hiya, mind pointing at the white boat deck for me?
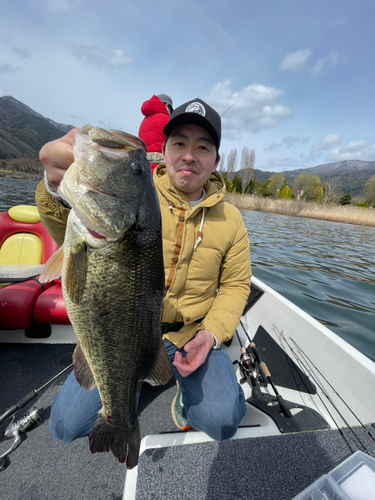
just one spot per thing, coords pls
(260, 462)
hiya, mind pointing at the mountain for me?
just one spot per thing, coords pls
(23, 132)
(353, 174)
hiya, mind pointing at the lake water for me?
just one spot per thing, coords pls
(325, 268)
(16, 192)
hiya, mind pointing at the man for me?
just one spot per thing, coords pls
(207, 278)
(156, 113)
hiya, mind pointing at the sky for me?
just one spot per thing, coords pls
(293, 79)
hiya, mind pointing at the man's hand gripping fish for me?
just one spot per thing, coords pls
(113, 281)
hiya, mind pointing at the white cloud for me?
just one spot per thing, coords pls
(326, 143)
(295, 60)
(253, 107)
(7, 68)
(331, 59)
(103, 58)
(288, 142)
(354, 150)
(281, 164)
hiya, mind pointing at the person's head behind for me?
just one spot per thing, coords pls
(167, 101)
(191, 147)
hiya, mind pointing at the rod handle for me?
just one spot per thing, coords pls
(21, 403)
(264, 369)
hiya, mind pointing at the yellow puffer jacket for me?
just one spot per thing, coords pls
(53, 214)
(205, 278)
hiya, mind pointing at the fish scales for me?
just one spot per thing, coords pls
(113, 281)
(119, 300)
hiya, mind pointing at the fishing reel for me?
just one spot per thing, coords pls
(15, 428)
(247, 366)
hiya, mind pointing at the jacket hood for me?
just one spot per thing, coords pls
(214, 185)
(153, 105)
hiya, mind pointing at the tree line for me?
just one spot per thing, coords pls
(305, 187)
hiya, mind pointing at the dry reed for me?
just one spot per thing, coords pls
(348, 214)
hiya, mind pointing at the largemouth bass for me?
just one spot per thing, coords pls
(112, 278)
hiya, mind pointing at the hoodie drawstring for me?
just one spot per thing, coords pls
(200, 233)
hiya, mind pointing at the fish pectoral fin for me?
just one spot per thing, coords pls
(75, 276)
(53, 266)
(162, 371)
(82, 370)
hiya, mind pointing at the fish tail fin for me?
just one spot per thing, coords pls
(123, 444)
(162, 371)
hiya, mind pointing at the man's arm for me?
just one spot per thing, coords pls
(234, 288)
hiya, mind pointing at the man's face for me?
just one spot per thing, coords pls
(190, 158)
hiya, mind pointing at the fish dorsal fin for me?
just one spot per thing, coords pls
(162, 371)
(75, 270)
(53, 266)
(82, 370)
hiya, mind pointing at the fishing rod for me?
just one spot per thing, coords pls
(228, 108)
(26, 399)
(310, 375)
(252, 350)
(333, 389)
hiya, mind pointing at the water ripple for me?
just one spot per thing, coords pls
(325, 268)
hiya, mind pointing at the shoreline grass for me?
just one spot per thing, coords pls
(347, 214)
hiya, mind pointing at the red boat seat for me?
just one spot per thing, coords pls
(49, 307)
(25, 220)
(16, 304)
(23, 240)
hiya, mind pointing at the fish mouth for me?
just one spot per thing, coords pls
(87, 224)
(95, 234)
(85, 218)
(85, 187)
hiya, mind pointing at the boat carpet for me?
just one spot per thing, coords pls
(272, 468)
(266, 468)
(43, 469)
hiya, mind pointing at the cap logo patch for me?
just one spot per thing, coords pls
(196, 107)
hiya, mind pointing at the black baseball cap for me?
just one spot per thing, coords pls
(198, 113)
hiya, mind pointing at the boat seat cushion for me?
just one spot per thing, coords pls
(16, 304)
(21, 248)
(24, 213)
(49, 307)
(10, 227)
